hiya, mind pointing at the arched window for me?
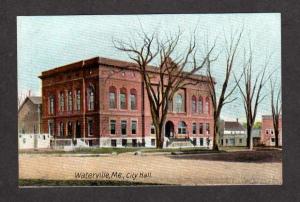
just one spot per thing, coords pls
(70, 101)
(112, 97)
(123, 98)
(91, 98)
(200, 105)
(61, 101)
(206, 111)
(51, 104)
(70, 128)
(179, 103)
(133, 100)
(194, 104)
(78, 100)
(181, 127)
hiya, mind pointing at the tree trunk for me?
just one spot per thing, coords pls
(276, 138)
(159, 137)
(215, 140)
(249, 137)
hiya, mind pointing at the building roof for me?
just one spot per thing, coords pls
(233, 126)
(269, 116)
(35, 99)
(106, 62)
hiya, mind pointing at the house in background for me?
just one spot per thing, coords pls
(267, 131)
(256, 136)
(30, 115)
(29, 125)
(232, 134)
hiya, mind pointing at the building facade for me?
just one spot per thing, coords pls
(232, 134)
(30, 115)
(104, 102)
(267, 131)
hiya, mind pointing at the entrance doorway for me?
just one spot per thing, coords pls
(78, 129)
(169, 129)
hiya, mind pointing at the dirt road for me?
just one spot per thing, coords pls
(196, 169)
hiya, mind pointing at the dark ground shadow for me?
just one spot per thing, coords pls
(238, 156)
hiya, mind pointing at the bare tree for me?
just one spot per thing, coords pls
(219, 101)
(170, 75)
(251, 91)
(276, 111)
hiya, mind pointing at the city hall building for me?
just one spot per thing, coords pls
(103, 102)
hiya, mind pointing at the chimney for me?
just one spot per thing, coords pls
(237, 120)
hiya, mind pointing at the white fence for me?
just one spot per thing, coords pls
(34, 141)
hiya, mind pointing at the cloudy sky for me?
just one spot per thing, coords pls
(45, 42)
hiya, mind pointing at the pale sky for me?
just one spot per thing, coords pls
(45, 42)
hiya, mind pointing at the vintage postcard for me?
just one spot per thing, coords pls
(131, 100)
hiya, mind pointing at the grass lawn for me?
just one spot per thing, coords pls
(41, 182)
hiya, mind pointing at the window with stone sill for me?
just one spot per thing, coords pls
(182, 127)
(194, 128)
(123, 99)
(194, 104)
(112, 97)
(133, 127)
(78, 100)
(133, 99)
(123, 127)
(179, 103)
(91, 98)
(113, 127)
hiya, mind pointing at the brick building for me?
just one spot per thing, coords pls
(103, 101)
(267, 131)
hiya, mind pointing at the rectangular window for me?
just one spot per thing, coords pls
(51, 128)
(152, 142)
(113, 143)
(201, 128)
(221, 141)
(194, 141)
(273, 139)
(112, 100)
(112, 127)
(122, 100)
(134, 144)
(194, 128)
(241, 140)
(207, 128)
(133, 127)
(123, 127)
(124, 142)
(201, 141)
(226, 140)
(152, 129)
(90, 127)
